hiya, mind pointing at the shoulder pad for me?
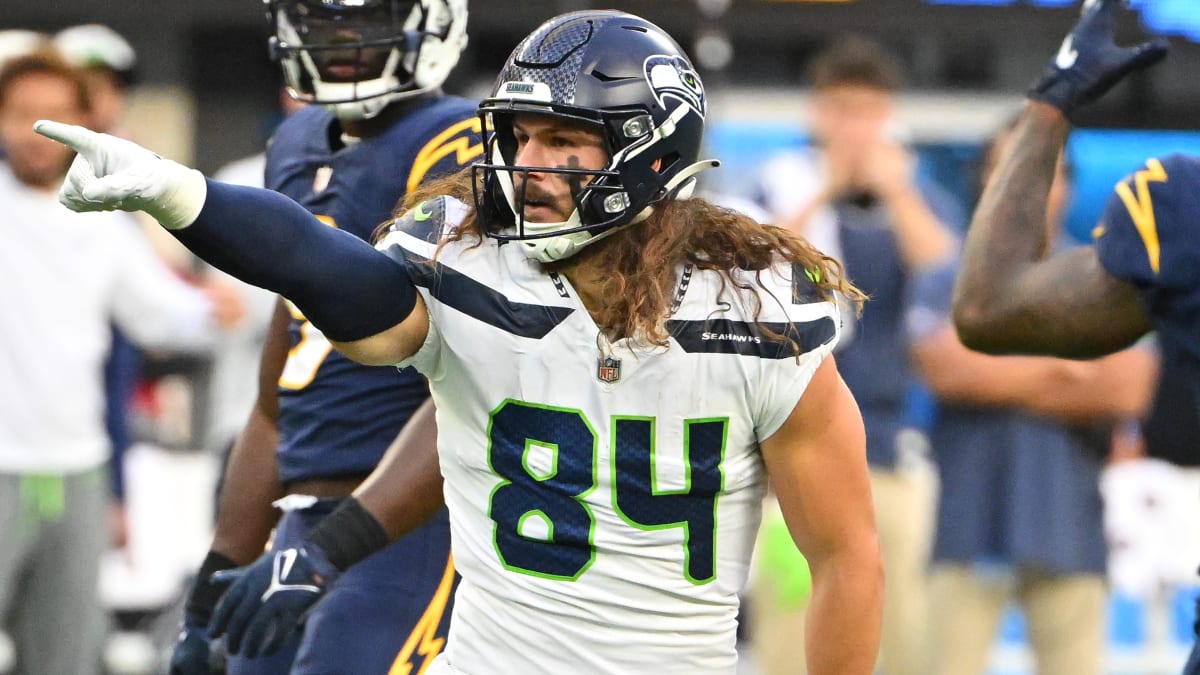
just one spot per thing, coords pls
(804, 285)
(431, 219)
(1148, 232)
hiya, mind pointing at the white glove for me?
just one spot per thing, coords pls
(111, 173)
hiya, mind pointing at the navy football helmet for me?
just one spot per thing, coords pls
(357, 56)
(629, 79)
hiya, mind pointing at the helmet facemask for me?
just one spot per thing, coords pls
(357, 56)
(598, 196)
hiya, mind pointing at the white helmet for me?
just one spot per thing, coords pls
(356, 56)
(16, 42)
(96, 46)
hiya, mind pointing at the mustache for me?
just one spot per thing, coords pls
(532, 193)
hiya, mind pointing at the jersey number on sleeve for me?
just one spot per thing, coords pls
(548, 458)
(306, 356)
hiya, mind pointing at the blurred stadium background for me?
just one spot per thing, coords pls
(206, 94)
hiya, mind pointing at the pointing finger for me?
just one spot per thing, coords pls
(80, 139)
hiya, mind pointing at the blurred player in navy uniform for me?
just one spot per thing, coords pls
(380, 124)
(1141, 275)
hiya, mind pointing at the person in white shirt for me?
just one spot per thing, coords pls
(67, 276)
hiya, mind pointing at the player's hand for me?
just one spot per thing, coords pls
(1089, 62)
(192, 654)
(111, 173)
(269, 598)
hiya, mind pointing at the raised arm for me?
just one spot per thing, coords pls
(1008, 298)
(818, 467)
(360, 298)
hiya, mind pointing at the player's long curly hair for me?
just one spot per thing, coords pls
(644, 259)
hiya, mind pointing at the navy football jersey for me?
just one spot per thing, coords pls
(1150, 236)
(337, 417)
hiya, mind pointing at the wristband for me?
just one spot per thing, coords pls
(349, 534)
(205, 594)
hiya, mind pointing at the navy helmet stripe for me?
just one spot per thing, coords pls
(456, 290)
(722, 336)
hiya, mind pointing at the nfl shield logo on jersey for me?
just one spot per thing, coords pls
(608, 369)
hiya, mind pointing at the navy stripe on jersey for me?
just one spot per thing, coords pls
(722, 336)
(456, 290)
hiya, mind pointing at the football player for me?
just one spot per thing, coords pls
(617, 370)
(378, 126)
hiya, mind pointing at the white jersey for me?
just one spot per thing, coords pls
(604, 499)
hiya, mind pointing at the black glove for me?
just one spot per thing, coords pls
(269, 598)
(1089, 62)
(192, 653)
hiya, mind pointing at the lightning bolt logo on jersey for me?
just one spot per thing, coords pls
(1150, 236)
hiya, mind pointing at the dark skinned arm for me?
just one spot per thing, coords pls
(1007, 298)
(245, 515)
(405, 490)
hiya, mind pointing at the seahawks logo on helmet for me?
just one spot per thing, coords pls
(673, 77)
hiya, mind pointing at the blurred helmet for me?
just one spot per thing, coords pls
(629, 79)
(17, 42)
(357, 56)
(96, 46)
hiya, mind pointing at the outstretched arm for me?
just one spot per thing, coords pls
(818, 468)
(360, 298)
